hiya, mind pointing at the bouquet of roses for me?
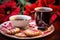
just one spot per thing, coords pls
(26, 7)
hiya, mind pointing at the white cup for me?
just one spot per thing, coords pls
(20, 20)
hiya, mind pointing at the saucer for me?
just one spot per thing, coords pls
(8, 25)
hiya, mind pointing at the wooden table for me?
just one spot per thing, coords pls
(54, 36)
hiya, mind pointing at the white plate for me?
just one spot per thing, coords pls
(40, 36)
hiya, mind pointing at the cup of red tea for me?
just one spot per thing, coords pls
(20, 20)
(43, 16)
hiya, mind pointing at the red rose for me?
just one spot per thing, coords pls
(2, 9)
(53, 18)
(33, 6)
(2, 6)
(14, 10)
(30, 8)
(40, 3)
(11, 4)
(47, 2)
(2, 16)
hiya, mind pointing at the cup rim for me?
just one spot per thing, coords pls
(37, 8)
(20, 16)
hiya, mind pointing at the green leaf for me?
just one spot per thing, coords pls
(22, 2)
(28, 3)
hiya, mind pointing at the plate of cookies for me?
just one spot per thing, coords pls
(30, 32)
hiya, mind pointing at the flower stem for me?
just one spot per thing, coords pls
(22, 6)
